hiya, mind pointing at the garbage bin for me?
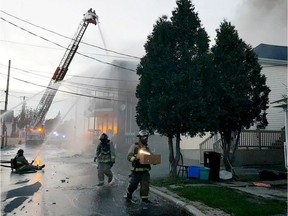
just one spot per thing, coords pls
(212, 160)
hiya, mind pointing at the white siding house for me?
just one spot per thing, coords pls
(273, 59)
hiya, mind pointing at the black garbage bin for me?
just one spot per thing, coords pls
(212, 161)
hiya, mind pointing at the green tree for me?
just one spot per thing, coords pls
(52, 124)
(171, 73)
(242, 92)
(25, 117)
(21, 118)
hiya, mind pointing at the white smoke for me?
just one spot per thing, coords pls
(262, 21)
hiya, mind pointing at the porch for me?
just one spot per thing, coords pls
(256, 147)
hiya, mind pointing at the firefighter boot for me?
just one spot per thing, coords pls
(146, 200)
(100, 184)
(110, 179)
(128, 196)
(41, 167)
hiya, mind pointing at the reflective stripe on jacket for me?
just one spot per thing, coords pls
(131, 156)
(21, 160)
(105, 152)
(140, 169)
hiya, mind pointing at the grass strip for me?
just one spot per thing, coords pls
(229, 200)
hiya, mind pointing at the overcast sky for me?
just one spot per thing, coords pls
(124, 27)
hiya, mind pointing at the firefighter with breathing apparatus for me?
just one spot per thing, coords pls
(139, 172)
(105, 156)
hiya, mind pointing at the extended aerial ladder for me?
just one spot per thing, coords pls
(36, 125)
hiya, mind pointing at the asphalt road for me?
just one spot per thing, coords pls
(67, 186)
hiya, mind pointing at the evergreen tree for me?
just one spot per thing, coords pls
(171, 91)
(242, 91)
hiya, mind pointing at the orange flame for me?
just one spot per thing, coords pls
(38, 162)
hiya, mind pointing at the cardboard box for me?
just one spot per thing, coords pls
(150, 159)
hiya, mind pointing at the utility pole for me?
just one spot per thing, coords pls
(4, 128)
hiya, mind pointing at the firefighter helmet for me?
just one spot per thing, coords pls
(103, 136)
(143, 133)
(143, 136)
(20, 152)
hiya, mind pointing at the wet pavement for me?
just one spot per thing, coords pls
(67, 186)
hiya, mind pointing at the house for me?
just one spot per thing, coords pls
(6, 122)
(117, 117)
(273, 60)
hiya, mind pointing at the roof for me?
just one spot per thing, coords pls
(268, 51)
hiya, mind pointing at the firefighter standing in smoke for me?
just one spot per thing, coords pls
(105, 156)
(140, 172)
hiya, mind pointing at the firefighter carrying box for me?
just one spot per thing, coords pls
(148, 158)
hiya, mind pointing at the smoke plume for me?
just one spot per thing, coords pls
(262, 21)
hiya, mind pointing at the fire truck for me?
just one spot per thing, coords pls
(35, 133)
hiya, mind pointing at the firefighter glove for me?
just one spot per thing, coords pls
(112, 163)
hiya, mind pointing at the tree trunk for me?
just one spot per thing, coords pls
(171, 154)
(235, 145)
(226, 143)
(230, 141)
(177, 156)
(175, 160)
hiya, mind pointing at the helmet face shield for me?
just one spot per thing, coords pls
(143, 136)
(144, 139)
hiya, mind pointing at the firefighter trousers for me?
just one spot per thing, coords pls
(142, 177)
(104, 169)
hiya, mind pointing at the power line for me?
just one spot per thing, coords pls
(119, 53)
(27, 72)
(102, 89)
(98, 88)
(75, 84)
(32, 45)
(73, 93)
(109, 79)
(57, 44)
(46, 47)
(80, 76)
(67, 92)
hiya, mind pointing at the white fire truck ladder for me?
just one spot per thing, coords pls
(54, 84)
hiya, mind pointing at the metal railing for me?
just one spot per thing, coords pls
(260, 139)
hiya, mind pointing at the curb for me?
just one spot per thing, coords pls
(189, 208)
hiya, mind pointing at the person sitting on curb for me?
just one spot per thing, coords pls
(21, 163)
